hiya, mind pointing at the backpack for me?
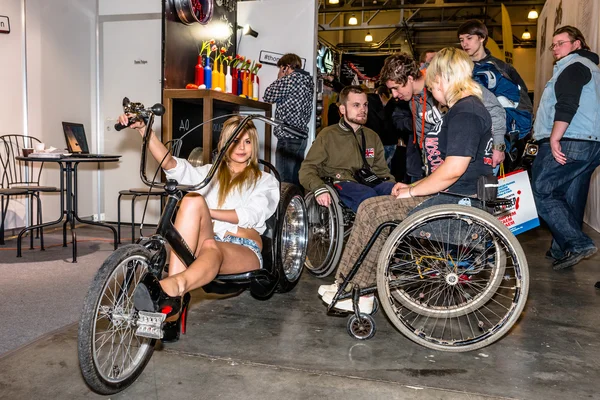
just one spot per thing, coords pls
(508, 94)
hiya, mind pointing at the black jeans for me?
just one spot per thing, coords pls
(288, 157)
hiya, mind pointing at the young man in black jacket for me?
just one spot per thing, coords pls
(473, 36)
(379, 119)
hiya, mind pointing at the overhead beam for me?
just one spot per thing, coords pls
(418, 25)
(331, 9)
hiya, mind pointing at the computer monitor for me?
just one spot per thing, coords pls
(75, 138)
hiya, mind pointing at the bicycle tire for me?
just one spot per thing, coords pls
(108, 304)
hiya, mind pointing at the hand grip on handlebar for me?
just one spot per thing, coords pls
(119, 126)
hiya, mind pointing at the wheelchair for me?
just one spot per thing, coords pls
(115, 341)
(450, 277)
(328, 227)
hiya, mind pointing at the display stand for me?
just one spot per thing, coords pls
(186, 108)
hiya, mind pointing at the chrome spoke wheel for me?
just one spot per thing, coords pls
(294, 238)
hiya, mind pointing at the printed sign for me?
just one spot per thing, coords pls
(4, 24)
(523, 216)
(271, 58)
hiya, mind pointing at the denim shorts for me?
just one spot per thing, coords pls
(251, 244)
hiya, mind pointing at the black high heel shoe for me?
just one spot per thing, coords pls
(172, 329)
(149, 296)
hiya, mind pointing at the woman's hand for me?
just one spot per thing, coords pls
(138, 125)
(397, 187)
(404, 193)
(157, 148)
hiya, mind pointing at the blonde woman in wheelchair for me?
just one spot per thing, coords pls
(456, 154)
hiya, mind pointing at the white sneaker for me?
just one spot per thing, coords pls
(328, 288)
(365, 303)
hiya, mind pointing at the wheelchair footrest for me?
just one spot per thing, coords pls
(149, 324)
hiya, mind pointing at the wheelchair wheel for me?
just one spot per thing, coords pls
(292, 237)
(111, 356)
(325, 235)
(452, 278)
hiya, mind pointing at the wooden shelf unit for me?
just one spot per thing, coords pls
(210, 102)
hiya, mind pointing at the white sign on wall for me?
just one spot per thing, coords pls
(4, 24)
(271, 58)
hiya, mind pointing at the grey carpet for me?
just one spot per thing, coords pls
(43, 291)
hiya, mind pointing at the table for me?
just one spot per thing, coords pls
(68, 199)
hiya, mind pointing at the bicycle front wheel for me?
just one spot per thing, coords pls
(111, 356)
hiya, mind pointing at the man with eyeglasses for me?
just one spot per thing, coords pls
(567, 128)
(292, 93)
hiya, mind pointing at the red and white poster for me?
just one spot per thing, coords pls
(523, 216)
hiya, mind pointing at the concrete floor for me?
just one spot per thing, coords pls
(287, 347)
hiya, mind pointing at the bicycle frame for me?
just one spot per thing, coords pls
(165, 230)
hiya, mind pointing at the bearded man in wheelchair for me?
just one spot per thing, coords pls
(455, 158)
(348, 154)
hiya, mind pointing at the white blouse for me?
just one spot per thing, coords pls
(253, 204)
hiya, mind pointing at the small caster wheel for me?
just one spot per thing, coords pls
(361, 329)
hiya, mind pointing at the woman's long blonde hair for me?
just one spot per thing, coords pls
(251, 174)
(455, 66)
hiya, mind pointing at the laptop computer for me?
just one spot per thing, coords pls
(77, 142)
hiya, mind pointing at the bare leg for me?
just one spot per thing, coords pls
(212, 257)
(193, 222)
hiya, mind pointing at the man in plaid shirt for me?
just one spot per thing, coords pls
(292, 92)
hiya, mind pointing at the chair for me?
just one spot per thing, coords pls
(6, 193)
(134, 193)
(23, 176)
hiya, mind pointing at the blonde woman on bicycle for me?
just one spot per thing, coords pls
(221, 224)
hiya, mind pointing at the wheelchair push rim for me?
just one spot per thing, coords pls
(457, 294)
(325, 235)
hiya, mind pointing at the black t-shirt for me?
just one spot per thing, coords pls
(466, 132)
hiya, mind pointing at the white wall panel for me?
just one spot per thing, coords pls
(61, 69)
(132, 72)
(58, 71)
(119, 7)
(12, 74)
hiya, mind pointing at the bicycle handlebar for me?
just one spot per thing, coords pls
(158, 109)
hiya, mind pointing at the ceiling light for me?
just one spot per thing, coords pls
(532, 14)
(526, 35)
(334, 1)
(368, 38)
(352, 20)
